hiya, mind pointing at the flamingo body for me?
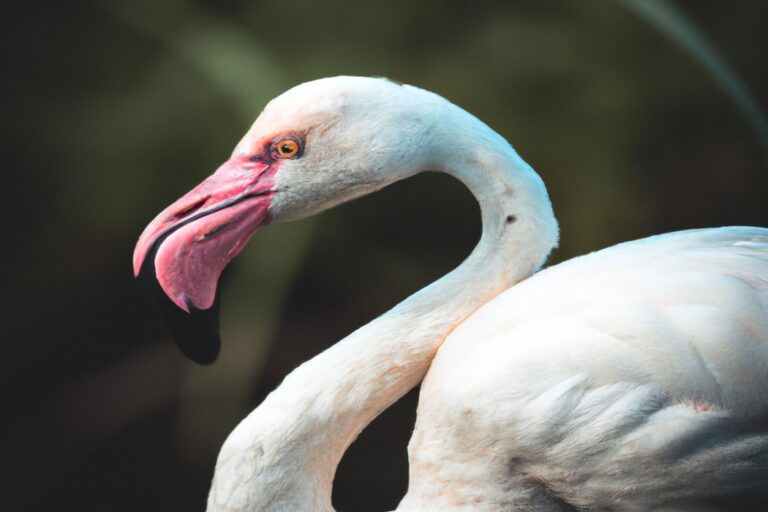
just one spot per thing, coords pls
(629, 379)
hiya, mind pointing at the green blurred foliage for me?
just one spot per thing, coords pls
(113, 109)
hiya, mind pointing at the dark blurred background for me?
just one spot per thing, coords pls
(113, 109)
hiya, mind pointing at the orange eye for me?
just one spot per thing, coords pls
(286, 148)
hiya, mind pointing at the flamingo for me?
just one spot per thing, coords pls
(634, 378)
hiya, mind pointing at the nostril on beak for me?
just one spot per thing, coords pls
(185, 211)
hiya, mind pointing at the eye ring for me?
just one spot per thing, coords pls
(287, 147)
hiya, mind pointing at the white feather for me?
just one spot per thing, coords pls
(623, 380)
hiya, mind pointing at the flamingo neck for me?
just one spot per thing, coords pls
(284, 455)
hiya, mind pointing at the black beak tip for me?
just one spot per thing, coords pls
(196, 333)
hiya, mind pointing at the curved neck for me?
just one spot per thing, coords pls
(284, 455)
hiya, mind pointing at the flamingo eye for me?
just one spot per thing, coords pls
(289, 147)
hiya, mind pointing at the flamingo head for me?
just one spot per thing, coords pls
(317, 145)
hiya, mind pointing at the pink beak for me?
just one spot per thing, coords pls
(194, 239)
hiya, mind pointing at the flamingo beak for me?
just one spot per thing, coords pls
(183, 251)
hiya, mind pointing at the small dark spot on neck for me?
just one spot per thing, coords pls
(511, 219)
